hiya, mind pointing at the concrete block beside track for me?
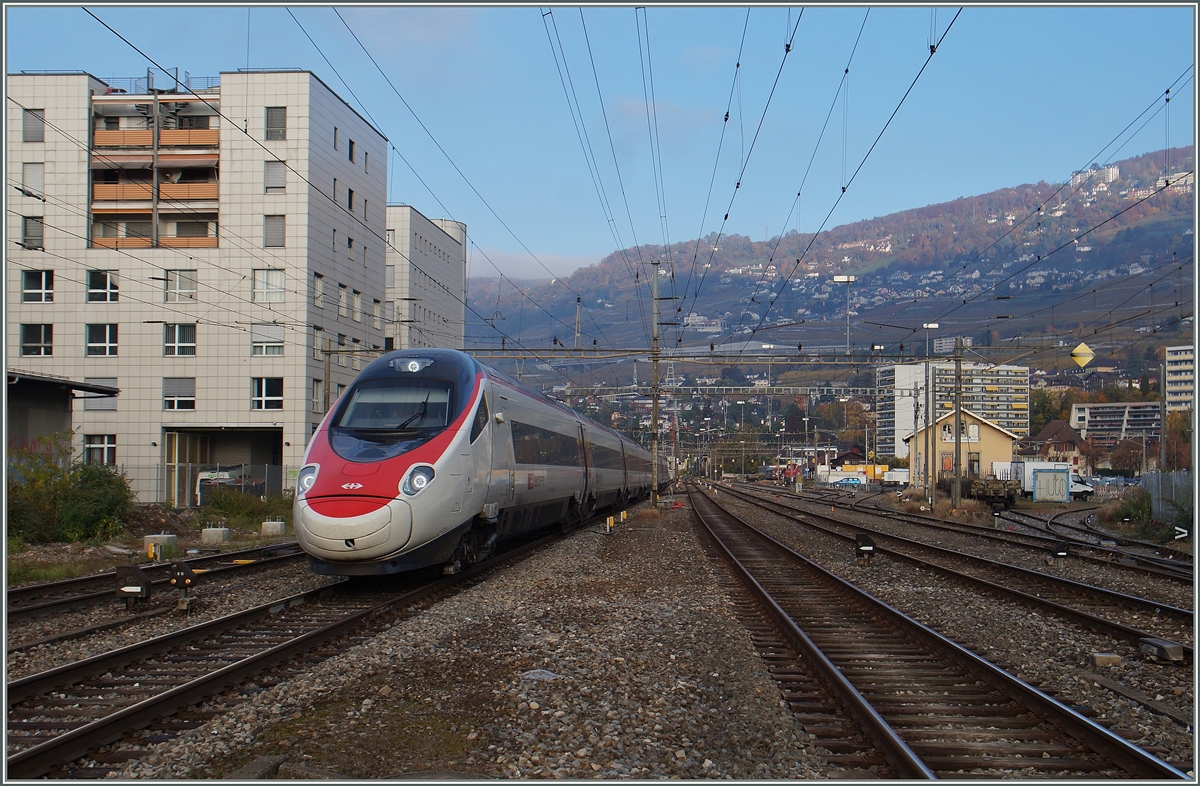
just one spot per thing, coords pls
(212, 535)
(273, 529)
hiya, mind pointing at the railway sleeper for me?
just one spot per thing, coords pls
(953, 764)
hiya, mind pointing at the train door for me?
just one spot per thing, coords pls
(503, 470)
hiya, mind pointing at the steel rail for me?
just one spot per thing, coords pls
(40, 759)
(1124, 754)
(16, 610)
(1088, 619)
(893, 748)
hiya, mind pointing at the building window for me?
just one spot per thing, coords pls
(277, 122)
(98, 402)
(102, 286)
(335, 137)
(390, 237)
(355, 346)
(33, 231)
(143, 229)
(365, 203)
(266, 393)
(350, 150)
(318, 342)
(33, 178)
(335, 189)
(275, 177)
(179, 340)
(101, 340)
(343, 300)
(376, 315)
(366, 156)
(179, 392)
(357, 305)
(274, 231)
(318, 395)
(350, 199)
(268, 286)
(100, 448)
(191, 229)
(339, 390)
(266, 339)
(180, 285)
(318, 290)
(37, 286)
(335, 240)
(341, 344)
(350, 248)
(37, 339)
(33, 125)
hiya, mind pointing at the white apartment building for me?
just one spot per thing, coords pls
(426, 279)
(999, 394)
(1181, 380)
(194, 250)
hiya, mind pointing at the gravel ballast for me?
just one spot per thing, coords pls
(604, 656)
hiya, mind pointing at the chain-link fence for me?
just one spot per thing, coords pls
(1167, 490)
(191, 485)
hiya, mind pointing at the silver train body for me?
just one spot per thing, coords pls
(430, 458)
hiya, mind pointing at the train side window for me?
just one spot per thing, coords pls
(481, 419)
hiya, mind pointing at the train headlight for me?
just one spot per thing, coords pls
(305, 480)
(417, 479)
(410, 365)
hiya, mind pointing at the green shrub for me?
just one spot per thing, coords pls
(244, 511)
(52, 498)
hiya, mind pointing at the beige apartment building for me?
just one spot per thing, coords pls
(1181, 378)
(198, 246)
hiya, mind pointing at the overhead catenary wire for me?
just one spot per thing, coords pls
(585, 141)
(932, 51)
(453, 164)
(242, 130)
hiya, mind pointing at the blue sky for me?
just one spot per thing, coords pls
(1013, 95)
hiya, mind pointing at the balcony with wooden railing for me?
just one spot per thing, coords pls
(201, 137)
(141, 137)
(188, 242)
(167, 137)
(142, 190)
(207, 190)
(112, 192)
(121, 242)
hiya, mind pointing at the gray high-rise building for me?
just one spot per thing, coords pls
(999, 394)
(198, 246)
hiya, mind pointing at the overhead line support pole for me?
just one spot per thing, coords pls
(654, 388)
(957, 421)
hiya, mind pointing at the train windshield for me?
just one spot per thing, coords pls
(384, 418)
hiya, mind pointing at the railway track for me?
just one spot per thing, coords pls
(37, 600)
(1152, 556)
(1041, 538)
(148, 692)
(931, 708)
(1105, 611)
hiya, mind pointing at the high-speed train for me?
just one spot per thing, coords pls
(430, 458)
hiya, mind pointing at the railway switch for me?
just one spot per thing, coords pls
(864, 547)
(183, 578)
(132, 584)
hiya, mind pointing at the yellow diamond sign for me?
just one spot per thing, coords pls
(1082, 354)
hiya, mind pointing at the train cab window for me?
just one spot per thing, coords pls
(481, 419)
(382, 419)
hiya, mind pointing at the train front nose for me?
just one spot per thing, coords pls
(346, 529)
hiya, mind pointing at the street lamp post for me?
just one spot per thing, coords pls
(847, 280)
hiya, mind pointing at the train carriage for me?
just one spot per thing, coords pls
(431, 458)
